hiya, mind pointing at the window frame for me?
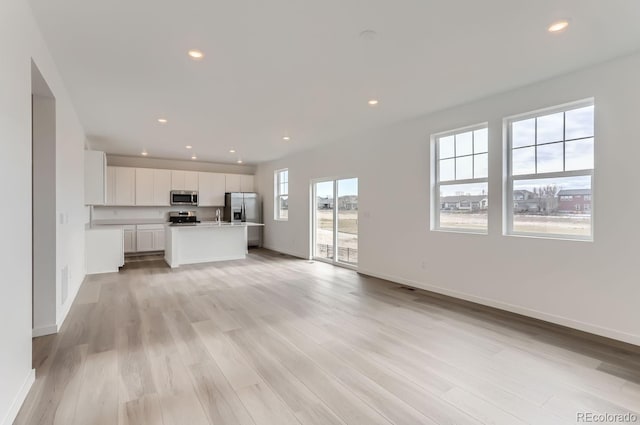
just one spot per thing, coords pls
(435, 177)
(278, 195)
(509, 178)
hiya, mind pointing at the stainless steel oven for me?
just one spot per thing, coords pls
(184, 197)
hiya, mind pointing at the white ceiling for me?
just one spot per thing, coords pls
(299, 67)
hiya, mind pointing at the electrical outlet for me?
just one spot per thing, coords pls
(424, 265)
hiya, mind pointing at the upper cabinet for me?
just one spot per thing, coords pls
(121, 186)
(239, 183)
(211, 188)
(246, 183)
(232, 183)
(95, 178)
(127, 186)
(144, 186)
(184, 180)
(152, 187)
(161, 187)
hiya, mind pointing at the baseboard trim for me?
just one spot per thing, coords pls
(279, 251)
(536, 314)
(19, 399)
(67, 306)
(44, 330)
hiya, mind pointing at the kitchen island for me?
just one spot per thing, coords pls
(205, 242)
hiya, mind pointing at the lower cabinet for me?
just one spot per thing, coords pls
(103, 250)
(129, 238)
(149, 237)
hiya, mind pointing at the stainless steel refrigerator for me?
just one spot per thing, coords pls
(245, 207)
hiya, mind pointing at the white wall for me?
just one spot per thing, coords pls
(20, 41)
(588, 286)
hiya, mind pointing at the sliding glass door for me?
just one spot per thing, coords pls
(335, 221)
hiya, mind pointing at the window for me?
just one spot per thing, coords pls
(550, 167)
(461, 172)
(281, 190)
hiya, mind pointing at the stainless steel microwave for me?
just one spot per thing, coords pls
(184, 197)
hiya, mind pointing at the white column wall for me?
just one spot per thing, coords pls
(20, 41)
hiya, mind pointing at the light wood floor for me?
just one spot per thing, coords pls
(275, 340)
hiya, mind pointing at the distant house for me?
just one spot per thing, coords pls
(348, 202)
(574, 201)
(522, 195)
(527, 201)
(464, 203)
(325, 203)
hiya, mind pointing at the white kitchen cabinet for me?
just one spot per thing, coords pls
(152, 187)
(161, 187)
(121, 186)
(158, 239)
(246, 183)
(211, 188)
(150, 237)
(103, 249)
(144, 240)
(144, 186)
(125, 186)
(111, 186)
(232, 183)
(239, 183)
(129, 238)
(190, 180)
(95, 178)
(184, 180)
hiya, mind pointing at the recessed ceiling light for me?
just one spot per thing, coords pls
(196, 54)
(162, 120)
(239, 161)
(194, 157)
(286, 138)
(368, 35)
(373, 102)
(558, 26)
(144, 153)
(232, 151)
(189, 147)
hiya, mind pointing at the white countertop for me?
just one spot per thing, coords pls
(208, 224)
(127, 221)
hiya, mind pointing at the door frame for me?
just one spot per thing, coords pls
(312, 224)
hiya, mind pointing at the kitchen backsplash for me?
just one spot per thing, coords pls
(137, 213)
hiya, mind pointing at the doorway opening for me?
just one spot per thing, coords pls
(44, 292)
(335, 221)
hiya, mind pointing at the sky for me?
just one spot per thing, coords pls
(345, 187)
(540, 141)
